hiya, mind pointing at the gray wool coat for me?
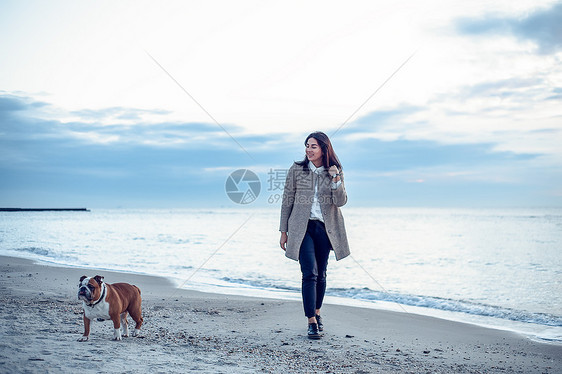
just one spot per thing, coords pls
(297, 203)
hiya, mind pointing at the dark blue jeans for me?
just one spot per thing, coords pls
(313, 258)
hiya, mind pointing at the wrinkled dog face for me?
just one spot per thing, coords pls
(90, 288)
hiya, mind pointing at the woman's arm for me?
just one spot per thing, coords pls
(339, 196)
(288, 200)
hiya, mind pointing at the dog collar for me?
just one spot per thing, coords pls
(100, 299)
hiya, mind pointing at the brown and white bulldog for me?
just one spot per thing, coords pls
(103, 301)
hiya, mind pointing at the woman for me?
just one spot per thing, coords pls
(311, 221)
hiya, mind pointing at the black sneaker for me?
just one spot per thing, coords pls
(319, 321)
(313, 332)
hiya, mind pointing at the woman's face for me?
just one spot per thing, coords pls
(314, 152)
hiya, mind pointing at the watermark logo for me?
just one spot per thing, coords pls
(242, 186)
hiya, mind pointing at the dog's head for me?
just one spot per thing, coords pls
(89, 289)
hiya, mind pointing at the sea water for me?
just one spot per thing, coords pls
(500, 268)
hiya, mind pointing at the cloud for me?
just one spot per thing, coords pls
(10, 104)
(22, 120)
(117, 113)
(403, 154)
(142, 164)
(543, 27)
(556, 94)
(186, 164)
(389, 124)
(380, 117)
(520, 88)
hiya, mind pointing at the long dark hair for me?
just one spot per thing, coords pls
(329, 157)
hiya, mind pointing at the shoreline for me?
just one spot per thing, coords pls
(188, 330)
(530, 330)
(17, 210)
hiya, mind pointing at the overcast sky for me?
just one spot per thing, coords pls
(154, 104)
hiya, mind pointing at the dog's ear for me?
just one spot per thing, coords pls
(81, 279)
(99, 279)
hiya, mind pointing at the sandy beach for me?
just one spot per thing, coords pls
(188, 331)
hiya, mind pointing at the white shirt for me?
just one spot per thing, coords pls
(315, 211)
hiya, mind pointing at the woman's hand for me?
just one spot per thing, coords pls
(283, 241)
(333, 171)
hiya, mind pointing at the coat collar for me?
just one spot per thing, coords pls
(314, 168)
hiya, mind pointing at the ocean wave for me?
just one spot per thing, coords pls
(451, 305)
(438, 303)
(34, 251)
(260, 284)
(46, 254)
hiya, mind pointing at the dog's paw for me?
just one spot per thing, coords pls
(136, 333)
(117, 334)
(84, 339)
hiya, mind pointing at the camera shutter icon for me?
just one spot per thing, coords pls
(243, 186)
